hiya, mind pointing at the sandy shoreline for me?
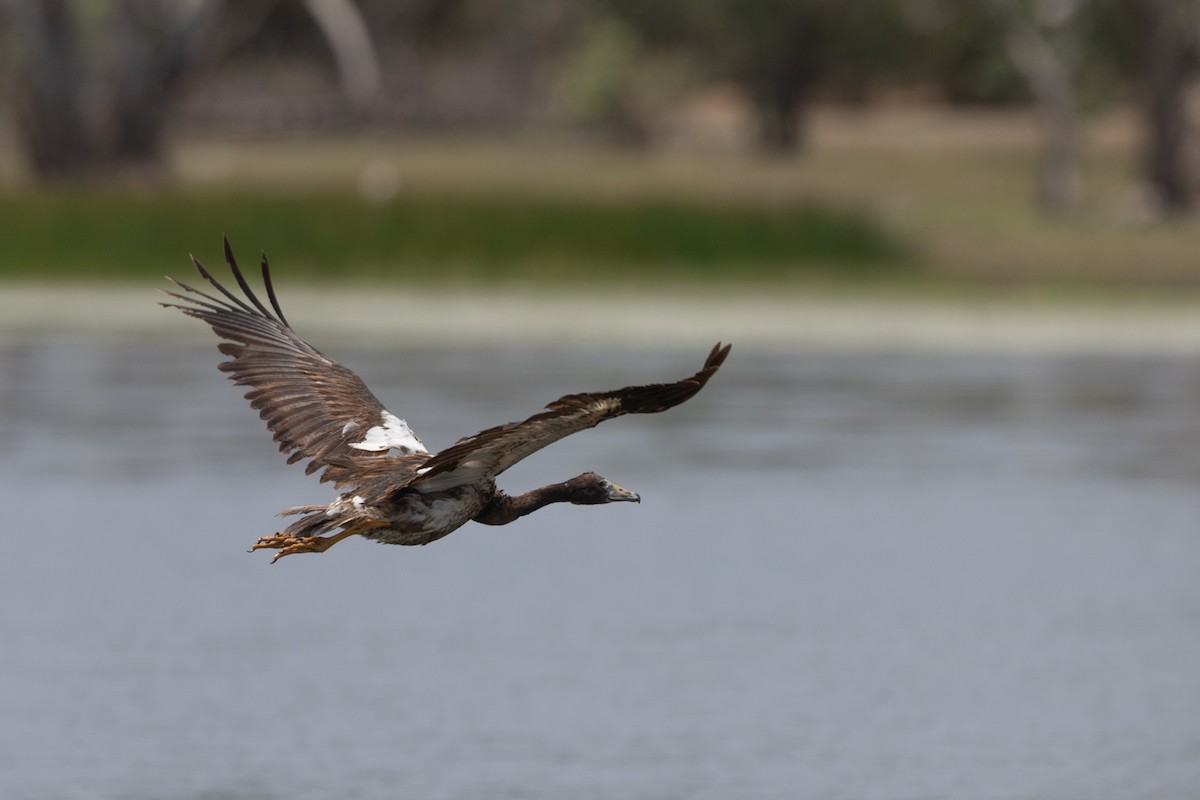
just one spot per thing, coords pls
(655, 315)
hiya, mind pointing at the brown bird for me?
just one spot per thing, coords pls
(393, 489)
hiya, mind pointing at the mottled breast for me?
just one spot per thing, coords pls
(422, 518)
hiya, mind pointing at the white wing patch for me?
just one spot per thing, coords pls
(393, 433)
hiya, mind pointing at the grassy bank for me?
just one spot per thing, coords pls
(920, 200)
(91, 233)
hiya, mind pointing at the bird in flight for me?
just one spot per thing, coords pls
(392, 489)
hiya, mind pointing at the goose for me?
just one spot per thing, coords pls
(392, 489)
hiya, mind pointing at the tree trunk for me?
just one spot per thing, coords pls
(1058, 172)
(1171, 67)
(785, 51)
(148, 58)
(50, 89)
(1047, 71)
(781, 88)
(778, 126)
(350, 40)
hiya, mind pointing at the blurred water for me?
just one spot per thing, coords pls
(853, 575)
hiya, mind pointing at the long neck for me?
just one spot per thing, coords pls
(504, 508)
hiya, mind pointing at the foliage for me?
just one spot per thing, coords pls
(851, 50)
(92, 233)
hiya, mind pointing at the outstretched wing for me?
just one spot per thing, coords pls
(490, 452)
(316, 408)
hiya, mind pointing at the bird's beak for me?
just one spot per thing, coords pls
(617, 495)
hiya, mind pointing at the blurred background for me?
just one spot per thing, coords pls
(985, 142)
(932, 531)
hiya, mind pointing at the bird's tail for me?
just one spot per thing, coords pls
(294, 510)
(316, 521)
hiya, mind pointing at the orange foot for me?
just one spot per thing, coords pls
(289, 545)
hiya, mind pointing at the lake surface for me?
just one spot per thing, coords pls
(854, 574)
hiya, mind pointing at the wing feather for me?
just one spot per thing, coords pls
(490, 452)
(316, 408)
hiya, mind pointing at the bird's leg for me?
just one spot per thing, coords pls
(289, 545)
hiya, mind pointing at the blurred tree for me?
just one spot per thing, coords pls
(779, 51)
(95, 81)
(604, 79)
(959, 55)
(1172, 47)
(350, 40)
(153, 45)
(1042, 38)
(615, 85)
(49, 93)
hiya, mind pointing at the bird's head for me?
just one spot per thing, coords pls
(589, 489)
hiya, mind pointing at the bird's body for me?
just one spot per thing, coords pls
(405, 517)
(393, 489)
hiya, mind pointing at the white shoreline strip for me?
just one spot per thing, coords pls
(639, 316)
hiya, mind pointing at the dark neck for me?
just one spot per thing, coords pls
(503, 508)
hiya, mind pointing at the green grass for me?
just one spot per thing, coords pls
(94, 233)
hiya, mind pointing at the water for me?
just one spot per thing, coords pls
(853, 575)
